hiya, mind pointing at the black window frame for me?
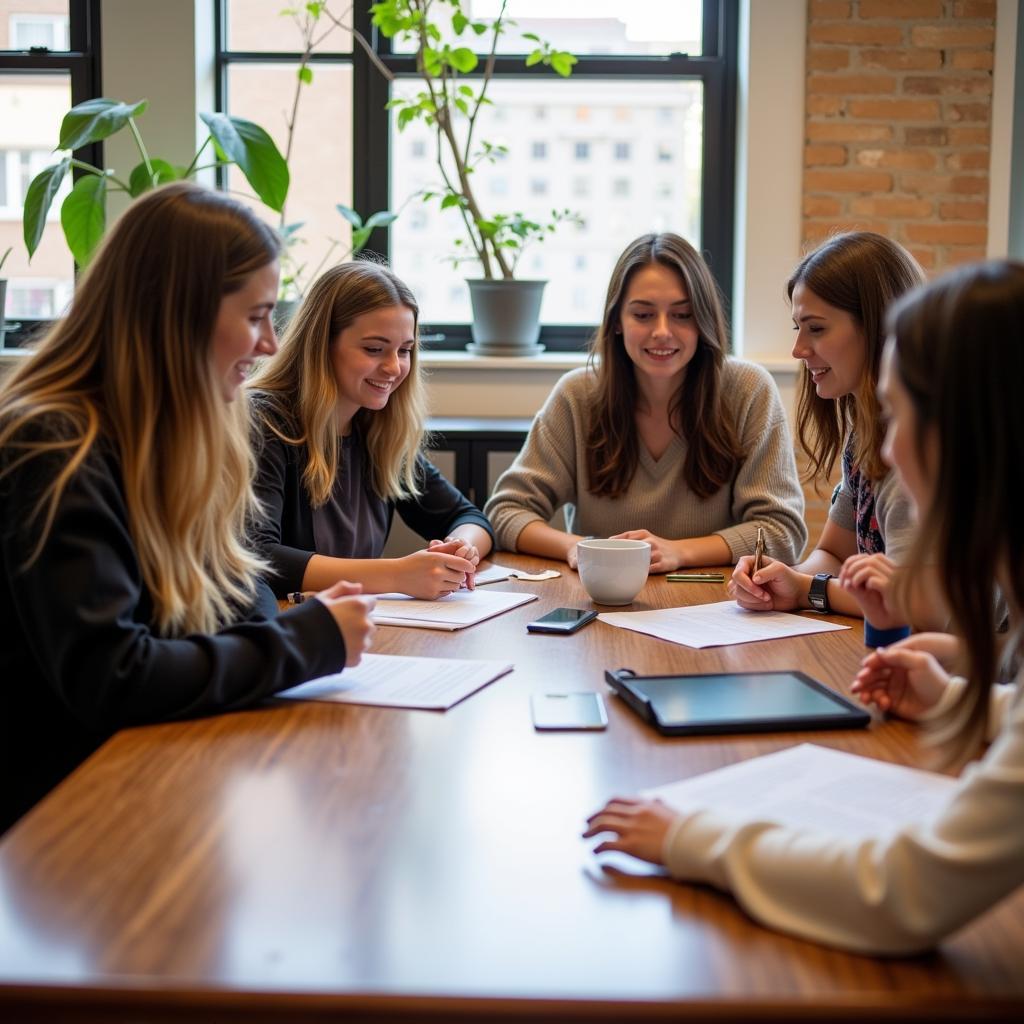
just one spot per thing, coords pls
(716, 68)
(81, 62)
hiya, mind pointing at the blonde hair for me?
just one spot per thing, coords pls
(299, 395)
(129, 365)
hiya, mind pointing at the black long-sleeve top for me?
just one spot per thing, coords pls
(355, 522)
(79, 657)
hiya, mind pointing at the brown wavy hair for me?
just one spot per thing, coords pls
(298, 395)
(861, 273)
(713, 451)
(129, 364)
(958, 350)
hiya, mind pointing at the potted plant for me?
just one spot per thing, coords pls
(3, 297)
(506, 311)
(83, 214)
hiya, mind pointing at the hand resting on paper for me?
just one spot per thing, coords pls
(906, 679)
(639, 828)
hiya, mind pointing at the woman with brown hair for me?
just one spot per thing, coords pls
(130, 592)
(839, 295)
(949, 383)
(663, 438)
(341, 412)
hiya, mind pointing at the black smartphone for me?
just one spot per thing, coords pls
(562, 620)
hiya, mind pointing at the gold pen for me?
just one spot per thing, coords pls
(758, 551)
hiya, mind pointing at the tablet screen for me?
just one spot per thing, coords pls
(742, 698)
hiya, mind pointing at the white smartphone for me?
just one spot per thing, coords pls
(568, 711)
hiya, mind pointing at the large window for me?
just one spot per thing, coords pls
(48, 52)
(639, 138)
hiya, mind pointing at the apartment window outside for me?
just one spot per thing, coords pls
(654, 72)
(48, 63)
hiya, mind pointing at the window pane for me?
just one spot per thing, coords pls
(28, 23)
(321, 158)
(610, 27)
(624, 155)
(31, 110)
(259, 26)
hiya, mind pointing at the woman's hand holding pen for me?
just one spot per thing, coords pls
(432, 573)
(905, 679)
(868, 579)
(774, 587)
(461, 549)
(351, 613)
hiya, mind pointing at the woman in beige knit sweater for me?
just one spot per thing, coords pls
(662, 437)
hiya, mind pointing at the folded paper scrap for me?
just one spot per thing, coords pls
(497, 573)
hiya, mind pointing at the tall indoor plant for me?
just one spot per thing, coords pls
(505, 311)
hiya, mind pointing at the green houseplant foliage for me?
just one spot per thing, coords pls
(83, 214)
(452, 97)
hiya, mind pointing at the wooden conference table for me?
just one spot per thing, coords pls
(314, 861)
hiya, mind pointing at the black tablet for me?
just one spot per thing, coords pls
(735, 702)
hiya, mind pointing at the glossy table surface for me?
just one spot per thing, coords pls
(322, 861)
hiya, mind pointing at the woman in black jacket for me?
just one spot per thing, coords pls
(129, 591)
(340, 448)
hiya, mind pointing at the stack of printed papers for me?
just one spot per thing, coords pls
(458, 610)
(403, 682)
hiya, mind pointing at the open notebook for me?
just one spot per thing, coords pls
(458, 610)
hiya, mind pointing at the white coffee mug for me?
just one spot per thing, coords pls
(613, 571)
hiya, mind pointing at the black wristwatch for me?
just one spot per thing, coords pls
(817, 596)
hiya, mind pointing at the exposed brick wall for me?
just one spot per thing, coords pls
(899, 102)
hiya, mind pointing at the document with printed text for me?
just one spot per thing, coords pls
(458, 610)
(398, 681)
(814, 787)
(717, 624)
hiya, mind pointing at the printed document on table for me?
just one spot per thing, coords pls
(458, 610)
(818, 788)
(716, 624)
(399, 681)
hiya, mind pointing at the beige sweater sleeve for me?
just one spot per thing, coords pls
(543, 477)
(897, 896)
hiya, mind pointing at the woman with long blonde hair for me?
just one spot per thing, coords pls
(342, 416)
(130, 592)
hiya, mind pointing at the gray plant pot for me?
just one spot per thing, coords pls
(506, 317)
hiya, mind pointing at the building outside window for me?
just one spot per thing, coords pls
(36, 90)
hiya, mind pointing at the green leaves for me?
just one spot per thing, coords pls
(37, 202)
(249, 146)
(84, 216)
(305, 74)
(94, 120)
(140, 180)
(361, 231)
